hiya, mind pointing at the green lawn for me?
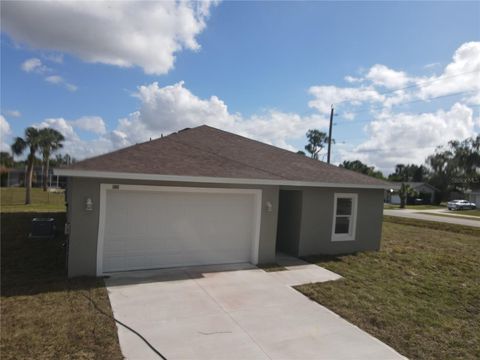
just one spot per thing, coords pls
(413, 207)
(13, 200)
(475, 212)
(43, 314)
(420, 294)
(472, 215)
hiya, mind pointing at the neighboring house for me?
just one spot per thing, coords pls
(423, 191)
(206, 196)
(473, 196)
(16, 177)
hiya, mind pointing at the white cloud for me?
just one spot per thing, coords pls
(395, 138)
(34, 65)
(5, 132)
(60, 124)
(391, 137)
(381, 75)
(325, 96)
(94, 124)
(123, 33)
(431, 65)
(74, 145)
(4, 126)
(352, 79)
(58, 80)
(167, 109)
(13, 113)
(461, 75)
(54, 79)
(170, 108)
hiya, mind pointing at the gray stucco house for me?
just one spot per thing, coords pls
(206, 196)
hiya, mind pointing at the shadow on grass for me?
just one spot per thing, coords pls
(35, 266)
(319, 259)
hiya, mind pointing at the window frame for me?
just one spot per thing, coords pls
(350, 236)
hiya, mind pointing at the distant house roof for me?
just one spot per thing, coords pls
(207, 154)
(416, 185)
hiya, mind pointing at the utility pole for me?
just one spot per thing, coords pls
(330, 135)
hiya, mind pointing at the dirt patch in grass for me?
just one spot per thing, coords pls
(272, 267)
(44, 315)
(420, 294)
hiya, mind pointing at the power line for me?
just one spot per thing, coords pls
(401, 104)
(419, 85)
(398, 148)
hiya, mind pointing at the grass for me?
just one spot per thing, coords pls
(413, 207)
(434, 225)
(272, 267)
(13, 199)
(455, 216)
(44, 315)
(475, 212)
(420, 294)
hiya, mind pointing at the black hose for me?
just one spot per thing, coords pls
(127, 327)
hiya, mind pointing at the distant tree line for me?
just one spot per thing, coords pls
(451, 168)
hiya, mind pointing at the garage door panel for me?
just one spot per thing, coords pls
(150, 229)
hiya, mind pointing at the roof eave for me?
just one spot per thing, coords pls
(207, 179)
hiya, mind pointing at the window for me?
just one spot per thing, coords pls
(344, 217)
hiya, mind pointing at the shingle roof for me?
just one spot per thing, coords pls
(205, 151)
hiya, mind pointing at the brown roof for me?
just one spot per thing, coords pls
(209, 152)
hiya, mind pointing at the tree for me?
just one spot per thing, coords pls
(410, 172)
(50, 141)
(316, 142)
(6, 159)
(362, 168)
(466, 161)
(300, 152)
(60, 160)
(31, 141)
(404, 192)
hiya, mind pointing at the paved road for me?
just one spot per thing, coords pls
(424, 215)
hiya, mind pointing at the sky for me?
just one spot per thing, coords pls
(403, 77)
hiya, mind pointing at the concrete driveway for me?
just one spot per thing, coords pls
(232, 312)
(429, 215)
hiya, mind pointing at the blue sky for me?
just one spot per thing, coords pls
(267, 70)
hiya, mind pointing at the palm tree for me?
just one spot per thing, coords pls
(32, 142)
(405, 191)
(50, 141)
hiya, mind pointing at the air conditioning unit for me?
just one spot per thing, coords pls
(43, 228)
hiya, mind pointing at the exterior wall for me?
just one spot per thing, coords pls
(474, 197)
(84, 224)
(427, 190)
(289, 221)
(317, 221)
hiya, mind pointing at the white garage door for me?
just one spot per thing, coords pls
(156, 227)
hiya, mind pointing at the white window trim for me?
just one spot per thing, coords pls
(353, 223)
